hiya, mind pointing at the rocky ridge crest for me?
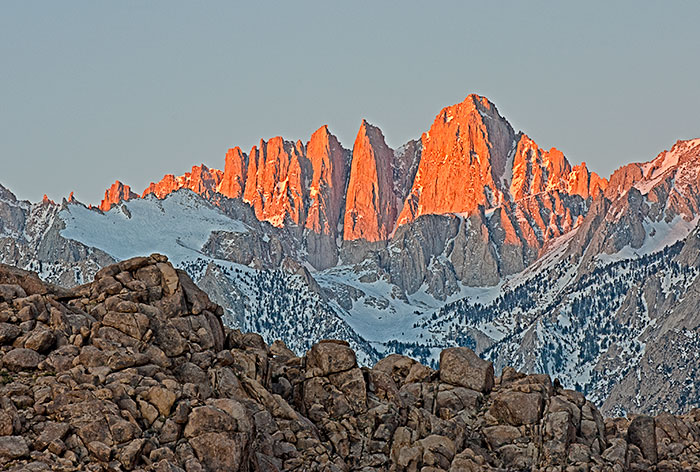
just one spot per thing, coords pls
(469, 159)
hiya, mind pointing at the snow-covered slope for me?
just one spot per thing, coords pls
(179, 225)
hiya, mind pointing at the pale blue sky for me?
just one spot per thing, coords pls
(131, 90)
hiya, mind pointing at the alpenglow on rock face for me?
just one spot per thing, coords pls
(471, 157)
(370, 210)
(115, 194)
(201, 180)
(135, 371)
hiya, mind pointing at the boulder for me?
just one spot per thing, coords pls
(642, 433)
(460, 366)
(331, 357)
(40, 340)
(12, 447)
(132, 324)
(162, 399)
(8, 333)
(52, 431)
(21, 359)
(217, 451)
(517, 408)
(500, 435)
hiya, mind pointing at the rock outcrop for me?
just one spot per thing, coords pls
(135, 371)
(233, 180)
(465, 153)
(115, 194)
(277, 181)
(330, 167)
(201, 180)
(370, 211)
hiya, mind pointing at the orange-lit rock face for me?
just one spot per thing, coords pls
(277, 176)
(166, 185)
(370, 210)
(536, 170)
(623, 179)
(596, 184)
(116, 193)
(201, 180)
(327, 191)
(469, 159)
(579, 180)
(464, 154)
(585, 183)
(233, 181)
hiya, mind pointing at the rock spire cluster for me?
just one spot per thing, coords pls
(469, 159)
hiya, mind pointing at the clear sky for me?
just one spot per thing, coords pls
(132, 90)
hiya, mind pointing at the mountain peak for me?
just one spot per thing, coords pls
(116, 193)
(465, 154)
(330, 168)
(276, 174)
(477, 100)
(370, 203)
(235, 168)
(368, 128)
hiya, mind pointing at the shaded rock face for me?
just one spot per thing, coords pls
(414, 249)
(370, 211)
(115, 194)
(12, 214)
(329, 163)
(30, 237)
(140, 374)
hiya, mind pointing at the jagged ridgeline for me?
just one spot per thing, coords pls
(136, 371)
(471, 235)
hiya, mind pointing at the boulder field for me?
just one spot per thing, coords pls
(136, 372)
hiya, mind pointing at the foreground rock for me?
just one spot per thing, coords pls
(135, 371)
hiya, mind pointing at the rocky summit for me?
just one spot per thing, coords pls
(136, 371)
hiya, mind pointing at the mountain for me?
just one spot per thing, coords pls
(370, 208)
(115, 194)
(136, 371)
(472, 235)
(330, 164)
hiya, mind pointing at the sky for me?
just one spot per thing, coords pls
(131, 90)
